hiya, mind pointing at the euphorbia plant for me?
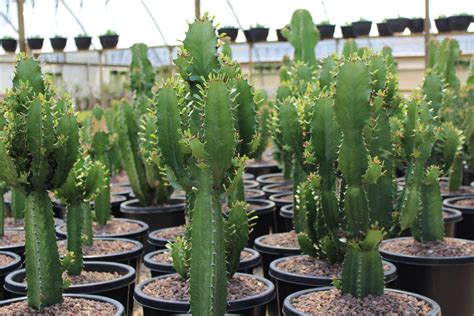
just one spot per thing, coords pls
(38, 149)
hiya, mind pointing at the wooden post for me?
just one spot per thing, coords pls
(197, 9)
(21, 26)
(426, 28)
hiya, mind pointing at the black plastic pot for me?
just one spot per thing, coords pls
(448, 280)
(35, 43)
(286, 216)
(451, 221)
(326, 31)
(251, 184)
(361, 28)
(258, 34)
(231, 32)
(120, 289)
(276, 188)
(347, 31)
(252, 306)
(248, 176)
(58, 43)
(120, 189)
(289, 310)
(83, 42)
(158, 243)
(263, 167)
(467, 176)
(254, 194)
(6, 269)
(280, 36)
(118, 307)
(383, 29)
(460, 22)
(397, 25)
(109, 41)
(157, 269)
(280, 200)
(465, 228)
(416, 25)
(115, 202)
(138, 235)
(9, 45)
(442, 25)
(265, 212)
(287, 283)
(271, 178)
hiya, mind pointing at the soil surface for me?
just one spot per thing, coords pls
(114, 190)
(332, 302)
(170, 233)
(175, 288)
(5, 260)
(89, 277)
(101, 247)
(251, 194)
(10, 222)
(283, 188)
(121, 178)
(285, 198)
(449, 247)
(275, 179)
(165, 258)
(465, 202)
(12, 238)
(113, 227)
(282, 240)
(462, 190)
(70, 306)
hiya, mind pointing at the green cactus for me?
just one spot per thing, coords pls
(142, 77)
(303, 36)
(38, 148)
(349, 48)
(17, 205)
(3, 189)
(85, 180)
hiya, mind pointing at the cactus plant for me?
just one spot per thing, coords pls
(38, 148)
(85, 180)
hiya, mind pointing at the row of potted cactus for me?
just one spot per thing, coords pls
(108, 40)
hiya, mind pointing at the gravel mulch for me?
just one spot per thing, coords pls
(5, 260)
(282, 240)
(101, 247)
(88, 277)
(113, 227)
(465, 202)
(449, 247)
(165, 257)
(462, 190)
(175, 288)
(170, 233)
(70, 306)
(12, 238)
(333, 302)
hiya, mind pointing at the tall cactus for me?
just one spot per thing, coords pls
(84, 181)
(38, 148)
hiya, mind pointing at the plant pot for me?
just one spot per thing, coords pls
(115, 202)
(447, 280)
(251, 184)
(280, 200)
(120, 189)
(465, 228)
(326, 30)
(467, 176)
(231, 32)
(287, 283)
(276, 188)
(262, 167)
(258, 34)
(251, 306)
(119, 307)
(158, 269)
(120, 289)
(109, 41)
(347, 31)
(272, 178)
(58, 43)
(286, 216)
(442, 25)
(248, 176)
(416, 25)
(35, 43)
(156, 242)
(155, 216)
(138, 235)
(451, 220)
(265, 212)
(383, 29)
(460, 22)
(397, 25)
(6, 269)
(254, 194)
(83, 42)
(361, 28)
(9, 45)
(280, 36)
(289, 310)
(17, 249)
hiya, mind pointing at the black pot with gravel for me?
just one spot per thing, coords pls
(464, 204)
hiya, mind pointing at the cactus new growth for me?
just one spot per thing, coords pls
(38, 149)
(201, 136)
(85, 180)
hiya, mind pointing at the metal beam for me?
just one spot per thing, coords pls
(197, 9)
(21, 26)
(427, 30)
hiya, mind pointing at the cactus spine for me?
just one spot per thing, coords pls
(38, 148)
